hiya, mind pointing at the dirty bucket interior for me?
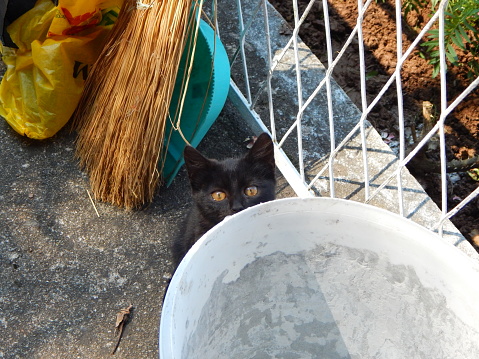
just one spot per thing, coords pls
(321, 278)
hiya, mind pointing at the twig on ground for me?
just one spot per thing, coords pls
(121, 319)
(93, 203)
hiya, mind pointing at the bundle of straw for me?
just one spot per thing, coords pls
(122, 114)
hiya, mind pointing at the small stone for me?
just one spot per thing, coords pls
(475, 237)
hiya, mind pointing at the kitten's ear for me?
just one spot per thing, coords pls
(262, 150)
(194, 160)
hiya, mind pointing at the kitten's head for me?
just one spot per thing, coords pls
(222, 188)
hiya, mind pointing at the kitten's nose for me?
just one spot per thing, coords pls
(237, 207)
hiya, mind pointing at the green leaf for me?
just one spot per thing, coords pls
(434, 60)
(421, 55)
(451, 54)
(457, 39)
(429, 46)
(371, 74)
(470, 12)
(461, 31)
(432, 42)
(448, 14)
(470, 27)
(464, 34)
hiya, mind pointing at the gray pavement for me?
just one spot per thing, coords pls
(65, 271)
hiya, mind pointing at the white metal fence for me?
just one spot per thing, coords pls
(297, 101)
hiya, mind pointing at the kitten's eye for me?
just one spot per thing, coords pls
(251, 191)
(218, 196)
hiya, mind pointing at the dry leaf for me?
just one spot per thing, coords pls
(121, 319)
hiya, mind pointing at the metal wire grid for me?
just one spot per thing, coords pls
(295, 175)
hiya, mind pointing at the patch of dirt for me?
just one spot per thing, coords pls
(418, 85)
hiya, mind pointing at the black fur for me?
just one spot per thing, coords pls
(231, 176)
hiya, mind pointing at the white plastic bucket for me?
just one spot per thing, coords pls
(321, 278)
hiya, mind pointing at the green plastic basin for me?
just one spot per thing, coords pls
(205, 97)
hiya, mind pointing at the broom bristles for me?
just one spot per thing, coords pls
(122, 114)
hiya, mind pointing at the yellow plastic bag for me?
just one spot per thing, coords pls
(45, 76)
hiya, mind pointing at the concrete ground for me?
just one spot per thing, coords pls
(66, 271)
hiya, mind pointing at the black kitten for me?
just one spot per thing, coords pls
(222, 188)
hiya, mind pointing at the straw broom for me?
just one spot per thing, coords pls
(121, 116)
